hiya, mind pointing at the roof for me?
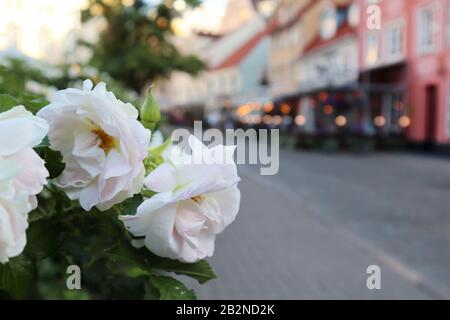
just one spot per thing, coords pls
(344, 29)
(302, 11)
(237, 56)
(317, 42)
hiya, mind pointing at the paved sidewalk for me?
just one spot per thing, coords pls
(280, 247)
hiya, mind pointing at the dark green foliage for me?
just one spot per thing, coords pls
(136, 46)
(16, 277)
(61, 234)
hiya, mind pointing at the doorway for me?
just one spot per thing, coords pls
(431, 115)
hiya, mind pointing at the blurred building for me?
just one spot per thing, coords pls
(375, 68)
(285, 46)
(236, 66)
(239, 77)
(405, 65)
(328, 68)
(313, 53)
(44, 30)
(330, 60)
(238, 13)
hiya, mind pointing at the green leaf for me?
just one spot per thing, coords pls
(171, 289)
(126, 253)
(17, 277)
(44, 144)
(200, 271)
(7, 102)
(137, 272)
(41, 239)
(156, 286)
(53, 159)
(151, 293)
(130, 205)
(124, 289)
(157, 151)
(36, 104)
(4, 295)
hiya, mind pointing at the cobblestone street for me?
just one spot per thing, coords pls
(312, 230)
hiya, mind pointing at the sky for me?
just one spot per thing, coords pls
(216, 4)
(206, 18)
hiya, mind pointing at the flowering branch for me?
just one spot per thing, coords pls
(80, 184)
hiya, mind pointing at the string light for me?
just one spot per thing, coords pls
(286, 109)
(323, 96)
(267, 119)
(379, 121)
(328, 109)
(300, 120)
(404, 121)
(268, 107)
(277, 120)
(341, 121)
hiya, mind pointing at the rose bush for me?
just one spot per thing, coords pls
(129, 209)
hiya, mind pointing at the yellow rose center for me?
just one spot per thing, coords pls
(198, 199)
(106, 141)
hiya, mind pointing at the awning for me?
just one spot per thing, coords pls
(383, 87)
(289, 96)
(349, 87)
(399, 64)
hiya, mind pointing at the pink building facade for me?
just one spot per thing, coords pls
(404, 58)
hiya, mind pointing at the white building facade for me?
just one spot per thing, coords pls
(43, 30)
(335, 65)
(236, 63)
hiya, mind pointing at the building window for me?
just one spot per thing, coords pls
(426, 31)
(372, 48)
(395, 41)
(233, 84)
(222, 83)
(328, 22)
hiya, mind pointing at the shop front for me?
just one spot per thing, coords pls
(331, 118)
(331, 112)
(386, 100)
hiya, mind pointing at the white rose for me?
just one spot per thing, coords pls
(196, 201)
(102, 143)
(22, 176)
(14, 208)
